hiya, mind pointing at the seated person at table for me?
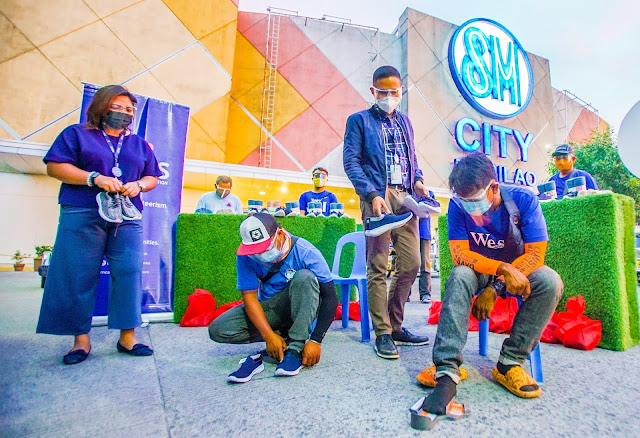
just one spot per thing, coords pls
(564, 160)
(498, 239)
(221, 200)
(285, 284)
(319, 194)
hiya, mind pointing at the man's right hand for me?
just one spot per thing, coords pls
(379, 206)
(276, 346)
(517, 283)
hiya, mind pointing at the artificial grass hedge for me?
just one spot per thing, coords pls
(592, 247)
(206, 247)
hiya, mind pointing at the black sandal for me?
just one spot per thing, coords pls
(137, 350)
(75, 356)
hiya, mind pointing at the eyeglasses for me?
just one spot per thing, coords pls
(561, 157)
(479, 197)
(390, 92)
(318, 175)
(122, 108)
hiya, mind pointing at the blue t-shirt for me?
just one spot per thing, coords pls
(303, 256)
(489, 239)
(560, 182)
(88, 150)
(324, 197)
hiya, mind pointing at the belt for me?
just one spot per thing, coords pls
(398, 187)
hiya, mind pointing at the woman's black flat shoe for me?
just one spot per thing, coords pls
(137, 350)
(75, 356)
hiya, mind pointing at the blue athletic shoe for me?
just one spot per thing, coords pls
(290, 365)
(375, 226)
(250, 366)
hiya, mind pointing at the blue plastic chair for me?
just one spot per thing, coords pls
(357, 278)
(535, 357)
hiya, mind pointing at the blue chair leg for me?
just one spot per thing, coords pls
(535, 360)
(483, 332)
(364, 311)
(345, 290)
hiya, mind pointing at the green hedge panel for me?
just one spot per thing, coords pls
(592, 247)
(206, 252)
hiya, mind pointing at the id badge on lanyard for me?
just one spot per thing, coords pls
(396, 170)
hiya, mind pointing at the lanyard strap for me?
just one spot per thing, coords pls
(116, 151)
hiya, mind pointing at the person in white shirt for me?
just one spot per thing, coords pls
(221, 200)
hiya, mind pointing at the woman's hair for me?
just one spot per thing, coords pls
(101, 104)
(473, 172)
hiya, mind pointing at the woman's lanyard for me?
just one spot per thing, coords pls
(115, 170)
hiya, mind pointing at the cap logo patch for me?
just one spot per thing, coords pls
(256, 234)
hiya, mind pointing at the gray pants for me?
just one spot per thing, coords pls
(531, 319)
(424, 284)
(290, 311)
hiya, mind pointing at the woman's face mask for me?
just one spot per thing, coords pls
(117, 120)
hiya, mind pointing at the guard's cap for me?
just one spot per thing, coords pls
(257, 232)
(562, 149)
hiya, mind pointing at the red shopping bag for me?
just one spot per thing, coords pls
(547, 334)
(220, 310)
(502, 315)
(572, 328)
(354, 311)
(200, 309)
(434, 312)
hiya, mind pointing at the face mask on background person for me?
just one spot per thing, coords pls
(222, 192)
(563, 162)
(388, 104)
(117, 120)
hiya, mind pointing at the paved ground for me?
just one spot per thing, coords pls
(181, 391)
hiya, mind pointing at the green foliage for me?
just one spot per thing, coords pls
(599, 156)
(206, 252)
(42, 249)
(591, 246)
(18, 257)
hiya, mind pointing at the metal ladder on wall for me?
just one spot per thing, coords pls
(269, 89)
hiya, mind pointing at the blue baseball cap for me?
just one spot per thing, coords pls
(562, 149)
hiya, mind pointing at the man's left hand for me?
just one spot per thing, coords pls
(419, 189)
(311, 354)
(483, 305)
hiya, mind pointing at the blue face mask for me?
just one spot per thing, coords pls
(477, 206)
(273, 254)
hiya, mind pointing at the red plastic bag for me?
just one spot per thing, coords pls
(354, 311)
(585, 336)
(200, 309)
(547, 334)
(220, 310)
(503, 314)
(572, 328)
(434, 312)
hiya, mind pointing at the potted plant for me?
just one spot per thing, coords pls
(18, 257)
(37, 260)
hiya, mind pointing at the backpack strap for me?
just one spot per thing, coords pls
(514, 219)
(276, 267)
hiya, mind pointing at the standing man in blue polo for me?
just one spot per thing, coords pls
(319, 194)
(564, 160)
(380, 160)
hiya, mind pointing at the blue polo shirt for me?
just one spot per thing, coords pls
(489, 239)
(88, 150)
(325, 197)
(561, 182)
(303, 256)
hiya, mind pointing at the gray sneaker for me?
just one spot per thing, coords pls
(385, 347)
(129, 211)
(109, 207)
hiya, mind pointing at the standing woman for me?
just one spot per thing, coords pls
(100, 156)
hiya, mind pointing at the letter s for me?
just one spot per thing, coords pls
(164, 168)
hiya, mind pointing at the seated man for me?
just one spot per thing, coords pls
(319, 194)
(221, 200)
(564, 160)
(285, 284)
(494, 231)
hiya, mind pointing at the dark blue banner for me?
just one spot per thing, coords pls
(164, 125)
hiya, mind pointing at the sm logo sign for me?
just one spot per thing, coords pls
(490, 68)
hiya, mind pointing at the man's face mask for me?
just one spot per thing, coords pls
(222, 192)
(117, 120)
(478, 205)
(319, 179)
(563, 162)
(388, 100)
(273, 254)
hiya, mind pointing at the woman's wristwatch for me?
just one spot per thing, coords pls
(91, 178)
(142, 185)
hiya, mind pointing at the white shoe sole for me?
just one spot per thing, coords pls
(388, 227)
(413, 207)
(234, 379)
(427, 209)
(386, 356)
(414, 344)
(280, 372)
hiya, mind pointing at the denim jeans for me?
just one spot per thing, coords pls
(531, 318)
(291, 311)
(83, 239)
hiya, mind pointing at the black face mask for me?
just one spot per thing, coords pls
(117, 120)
